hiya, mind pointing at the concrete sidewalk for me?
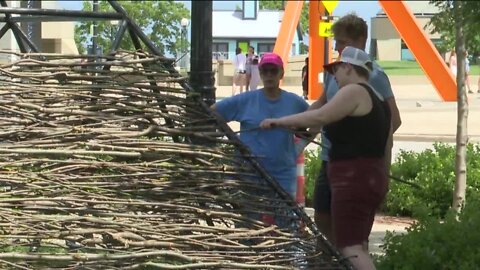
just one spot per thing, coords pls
(381, 225)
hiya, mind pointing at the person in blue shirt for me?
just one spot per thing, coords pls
(275, 149)
(349, 30)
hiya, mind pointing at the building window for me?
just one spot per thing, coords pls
(265, 47)
(406, 54)
(220, 51)
(439, 45)
(249, 9)
(243, 44)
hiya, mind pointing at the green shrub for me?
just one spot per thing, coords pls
(434, 171)
(313, 163)
(433, 244)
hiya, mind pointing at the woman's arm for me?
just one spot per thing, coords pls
(350, 100)
(319, 102)
(396, 121)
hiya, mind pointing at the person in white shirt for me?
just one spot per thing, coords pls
(478, 85)
(253, 74)
(453, 63)
(467, 73)
(239, 75)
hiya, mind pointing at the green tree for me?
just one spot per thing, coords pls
(159, 20)
(458, 23)
(462, 111)
(444, 24)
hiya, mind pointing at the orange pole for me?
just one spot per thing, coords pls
(422, 48)
(316, 51)
(330, 49)
(285, 36)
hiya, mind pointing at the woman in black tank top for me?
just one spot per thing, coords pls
(357, 123)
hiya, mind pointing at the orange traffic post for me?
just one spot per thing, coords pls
(316, 51)
(422, 48)
(290, 20)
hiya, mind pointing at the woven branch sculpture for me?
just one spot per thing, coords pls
(101, 168)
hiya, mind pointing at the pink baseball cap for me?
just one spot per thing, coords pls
(271, 58)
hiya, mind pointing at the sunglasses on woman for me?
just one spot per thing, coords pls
(273, 70)
(336, 67)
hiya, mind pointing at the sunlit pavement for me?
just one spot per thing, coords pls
(380, 227)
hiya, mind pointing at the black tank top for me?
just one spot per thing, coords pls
(361, 136)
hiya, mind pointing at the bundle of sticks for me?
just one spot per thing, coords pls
(108, 162)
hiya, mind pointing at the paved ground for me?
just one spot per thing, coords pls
(380, 227)
(425, 119)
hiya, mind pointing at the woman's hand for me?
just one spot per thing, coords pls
(269, 123)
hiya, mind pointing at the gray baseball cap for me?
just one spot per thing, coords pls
(352, 56)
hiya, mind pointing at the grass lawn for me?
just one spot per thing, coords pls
(412, 68)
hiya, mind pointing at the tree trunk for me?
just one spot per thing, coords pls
(462, 113)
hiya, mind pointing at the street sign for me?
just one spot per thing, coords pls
(330, 5)
(324, 29)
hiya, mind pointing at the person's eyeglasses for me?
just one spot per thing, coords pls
(336, 67)
(273, 71)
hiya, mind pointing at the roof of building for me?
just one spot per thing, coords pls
(418, 8)
(229, 24)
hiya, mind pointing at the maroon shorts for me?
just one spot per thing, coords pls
(358, 188)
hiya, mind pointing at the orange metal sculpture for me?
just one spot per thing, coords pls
(290, 19)
(422, 48)
(316, 52)
(404, 21)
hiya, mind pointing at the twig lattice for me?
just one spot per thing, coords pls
(101, 169)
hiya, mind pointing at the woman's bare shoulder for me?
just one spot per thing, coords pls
(353, 88)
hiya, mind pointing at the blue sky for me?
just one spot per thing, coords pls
(364, 9)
